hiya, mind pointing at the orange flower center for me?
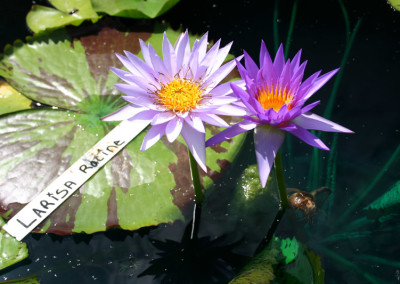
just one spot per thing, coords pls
(180, 95)
(270, 97)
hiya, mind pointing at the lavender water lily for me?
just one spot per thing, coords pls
(275, 101)
(177, 94)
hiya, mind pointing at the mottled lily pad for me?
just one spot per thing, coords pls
(11, 250)
(135, 189)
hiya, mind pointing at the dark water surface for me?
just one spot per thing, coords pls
(368, 99)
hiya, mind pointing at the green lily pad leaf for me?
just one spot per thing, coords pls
(395, 4)
(387, 203)
(135, 189)
(30, 280)
(11, 250)
(134, 9)
(11, 100)
(74, 12)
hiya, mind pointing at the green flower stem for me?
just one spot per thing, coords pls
(194, 170)
(281, 181)
(271, 231)
(199, 196)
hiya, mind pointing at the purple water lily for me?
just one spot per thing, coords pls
(275, 101)
(177, 94)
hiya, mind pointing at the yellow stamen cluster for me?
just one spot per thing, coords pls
(179, 95)
(275, 98)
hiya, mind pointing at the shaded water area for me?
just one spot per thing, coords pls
(361, 37)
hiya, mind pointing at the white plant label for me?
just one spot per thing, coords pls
(74, 177)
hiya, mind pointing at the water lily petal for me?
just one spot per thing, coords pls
(279, 61)
(182, 51)
(196, 143)
(132, 90)
(225, 88)
(305, 135)
(152, 136)
(230, 132)
(169, 56)
(144, 69)
(220, 58)
(318, 83)
(315, 122)
(123, 113)
(145, 52)
(173, 129)
(251, 66)
(213, 119)
(162, 117)
(267, 141)
(130, 78)
(231, 110)
(202, 47)
(220, 74)
(195, 122)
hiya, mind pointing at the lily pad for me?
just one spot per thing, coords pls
(11, 100)
(395, 4)
(65, 13)
(135, 189)
(11, 250)
(137, 9)
(41, 18)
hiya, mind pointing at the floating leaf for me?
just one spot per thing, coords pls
(134, 9)
(11, 250)
(74, 12)
(65, 13)
(11, 100)
(135, 189)
(395, 4)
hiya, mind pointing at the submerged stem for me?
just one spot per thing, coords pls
(281, 181)
(283, 205)
(199, 196)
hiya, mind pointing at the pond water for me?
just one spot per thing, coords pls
(366, 38)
